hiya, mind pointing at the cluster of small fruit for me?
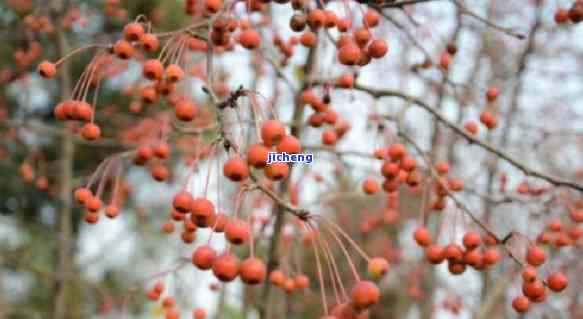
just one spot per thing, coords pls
(169, 304)
(477, 252)
(534, 289)
(325, 116)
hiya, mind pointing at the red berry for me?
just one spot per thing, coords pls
(203, 257)
(365, 294)
(472, 240)
(236, 169)
(521, 304)
(557, 281)
(226, 267)
(272, 132)
(252, 271)
(422, 237)
(203, 212)
(535, 256)
(237, 231)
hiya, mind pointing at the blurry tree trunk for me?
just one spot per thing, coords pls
(63, 225)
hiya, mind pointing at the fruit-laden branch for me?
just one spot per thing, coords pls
(231, 102)
(459, 204)
(528, 171)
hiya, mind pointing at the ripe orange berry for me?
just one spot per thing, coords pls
(276, 171)
(82, 194)
(557, 281)
(491, 256)
(204, 257)
(289, 144)
(345, 81)
(47, 69)
(236, 169)
(520, 304)
(471, 127)
(453, 253)
(371, 18)
(199, 313)
(378, 48)
(308, 39)
(82, 111)
(250, 39)
(329, 137)
(185, 111)
(370, 186)
(160, 172)
(561, 16)
(434, 254)
(289, 286)
(529, 274)
(253, 271)
(212, 6)
(153, 69)
(182, 202)
(378, 267)
(272, 132)
(168, 227)
(331, 18)
(422, 237)
(302, 281)
(488, 119)
(535, 256)
(221, 221)
(257, 155)
(316, 18)
(474, 258)
(343, 24)
(162, 150)
(123, 49)
(149, 94)
(442, 168)
(174, 73)
(202, 212)
(456, 268)
(237, 231)
(533, 290)
(133, 31)
(226, 267)
(149, 42)
(349, 54)
(93, 204)
(111, 211)
(408, 163)
(90, 131)
(277, 277)
(158, 287)
(365, 294)
(472, 240)
(362, 36)
(91, 217)
(492, 94)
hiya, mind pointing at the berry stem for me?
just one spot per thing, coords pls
(320, 277)
(350, 240)
(78, 50)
